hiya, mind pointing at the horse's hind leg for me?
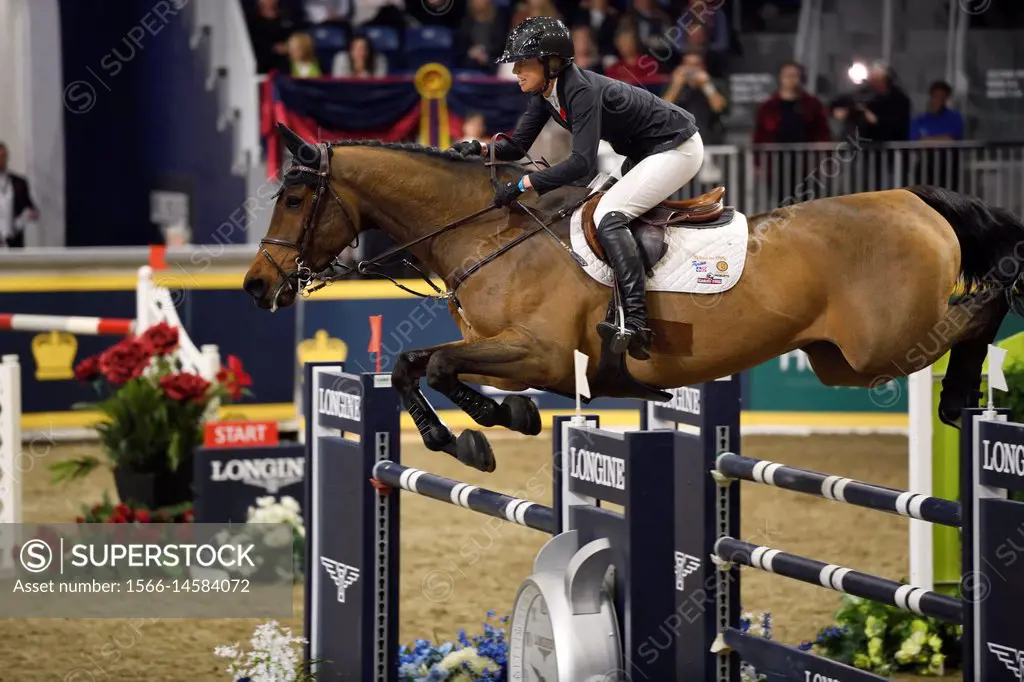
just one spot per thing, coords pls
(980, 316)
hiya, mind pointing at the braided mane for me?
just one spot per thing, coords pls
(413, 148)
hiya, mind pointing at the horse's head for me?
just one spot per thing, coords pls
(310, 225)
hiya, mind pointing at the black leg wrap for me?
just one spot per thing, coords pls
(436, 436)
(482, 409)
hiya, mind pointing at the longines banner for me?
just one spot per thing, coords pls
(228, 480)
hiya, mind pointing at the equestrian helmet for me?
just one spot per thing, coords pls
(538, 38)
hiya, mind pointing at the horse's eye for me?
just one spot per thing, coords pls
(293, 202)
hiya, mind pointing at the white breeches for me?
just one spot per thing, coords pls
(653, 180)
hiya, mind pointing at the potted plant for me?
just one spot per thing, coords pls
(154, 414)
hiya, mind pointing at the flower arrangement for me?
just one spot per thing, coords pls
(132, 512)
(275, 656)
(153, 410)
(481, 658)
(885, 640)
(287, 511)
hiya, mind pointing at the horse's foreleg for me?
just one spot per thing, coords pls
(508, 356)
(405, 378)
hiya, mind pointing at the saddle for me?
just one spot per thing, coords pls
(649, 229)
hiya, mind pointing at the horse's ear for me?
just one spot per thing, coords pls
(306, 154)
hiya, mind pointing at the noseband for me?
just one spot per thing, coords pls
(303, 275)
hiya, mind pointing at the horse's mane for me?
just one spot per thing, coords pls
(412, 148)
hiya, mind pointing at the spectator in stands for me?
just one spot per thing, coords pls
(15, 204)
(269, 29)
(602, 18)
(886, 112)
(586, 54)
(474, 127)
(791, 114)
(694, 90)
(631, 66)
(939, 122)
(651, 24)
(302, 54)
(359, 61)
(534, 8)
(481, 37)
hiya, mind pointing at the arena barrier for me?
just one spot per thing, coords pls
(675, 547)
(10, 449)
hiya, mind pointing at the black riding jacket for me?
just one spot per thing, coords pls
(634, 121)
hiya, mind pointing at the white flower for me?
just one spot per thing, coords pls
(289, 503)
(273, 658)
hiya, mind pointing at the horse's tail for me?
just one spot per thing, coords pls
(991, 242)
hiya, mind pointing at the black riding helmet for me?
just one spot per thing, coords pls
(539, 38)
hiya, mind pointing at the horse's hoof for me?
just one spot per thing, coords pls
(520, 413)
(439, 439)
(472, 449)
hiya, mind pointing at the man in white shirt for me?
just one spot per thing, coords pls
(15, 205)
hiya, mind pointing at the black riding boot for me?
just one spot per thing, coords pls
(627, 263)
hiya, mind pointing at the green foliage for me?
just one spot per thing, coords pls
(885, 640)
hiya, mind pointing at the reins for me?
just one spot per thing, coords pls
(337, 270)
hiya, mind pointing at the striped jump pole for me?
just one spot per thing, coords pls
(907, 597)
(518, 511)
(840, 489)
(86, 326)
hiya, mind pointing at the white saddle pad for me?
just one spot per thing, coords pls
(698, 261)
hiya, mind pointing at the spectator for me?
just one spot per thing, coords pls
(481, 37)
(474, 128)
(534, 8)
(359, 61)
(447, 13)
(939, 122)
(16, 205)
(694, 90)
(585, 48)
(791, 114)
(269, 29)
(651, 24)
(302, 53)
(629, 67)
(886, 114)
(602, 18)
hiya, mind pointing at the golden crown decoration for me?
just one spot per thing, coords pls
(322, 348)
(54, 353)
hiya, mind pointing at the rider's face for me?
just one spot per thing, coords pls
(530, 73)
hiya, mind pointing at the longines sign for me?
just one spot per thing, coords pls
(228, 480)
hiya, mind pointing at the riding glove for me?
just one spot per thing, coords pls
(468, 148)
(508, 192)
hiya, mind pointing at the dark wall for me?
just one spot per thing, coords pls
(138, 117)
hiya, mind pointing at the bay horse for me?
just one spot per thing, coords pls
(872, 286)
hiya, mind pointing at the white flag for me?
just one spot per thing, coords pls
(996, 378)
(581, 360)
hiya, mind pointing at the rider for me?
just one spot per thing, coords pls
(659, 140)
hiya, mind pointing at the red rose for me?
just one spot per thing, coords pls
(118, 518)
(79, 519)
(233, 377)
(185, 386)
(188, 516)
(162, 338)
(125, 361)
(142, 516)
(88, 369)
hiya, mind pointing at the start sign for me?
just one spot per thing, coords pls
(240, 434)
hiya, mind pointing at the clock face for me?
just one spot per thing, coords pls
(532, 650)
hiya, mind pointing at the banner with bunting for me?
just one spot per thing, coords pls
(428, 108)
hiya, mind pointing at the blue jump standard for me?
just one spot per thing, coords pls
(848, 490)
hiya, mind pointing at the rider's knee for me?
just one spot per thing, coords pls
(610, 218)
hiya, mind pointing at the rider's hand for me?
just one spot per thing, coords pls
(507, 193)
(468, 148)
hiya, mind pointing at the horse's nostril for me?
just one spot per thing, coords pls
(255, 287)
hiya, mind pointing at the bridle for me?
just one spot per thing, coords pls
(303, 275)
(301, 279)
